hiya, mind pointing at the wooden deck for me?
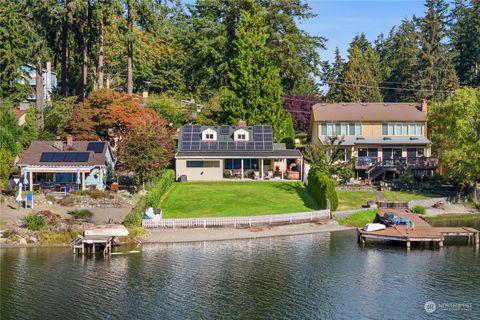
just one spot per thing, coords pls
(420, 231)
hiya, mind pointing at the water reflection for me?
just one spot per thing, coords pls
(304, 277)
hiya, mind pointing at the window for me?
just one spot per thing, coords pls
(340, 128)
(202, 164)
(402, 129)
(236, 164)
(241, 136)
(368, 152)
(209, 136)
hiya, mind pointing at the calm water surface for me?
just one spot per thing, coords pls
(322, 276)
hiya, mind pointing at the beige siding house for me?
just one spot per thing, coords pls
(385, 138)
(212, 153)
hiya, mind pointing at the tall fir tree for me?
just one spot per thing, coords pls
(399, 56)
(466, 40)
(359, 83)
(436, 73)
(333, 76)
(254, 92)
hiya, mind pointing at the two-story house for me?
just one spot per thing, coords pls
(385, 138)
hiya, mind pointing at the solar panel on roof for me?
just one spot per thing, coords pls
(267, 129)
(204, 146)
(58, 157)
(231, 146)
(250, 146)
(196, 137)
(268, 137)
(195, 145)
(258, 137)
(186, 145)
(213, 146)
(83, 156)
(224, 130)
(46, 157)
(268, 145)
(96, 147)
(71, 157)
(196, 129)
(258, 146)
(223, 145)
(257, 129)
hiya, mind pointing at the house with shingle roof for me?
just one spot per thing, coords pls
(234, 152)
(67, 164)
(385, 138)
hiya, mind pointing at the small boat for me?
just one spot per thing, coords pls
(374, 227)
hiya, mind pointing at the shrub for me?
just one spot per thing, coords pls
(156, 190)
(419, 209)
(33, 222)
(67, 201)
(51, 198)
(95, 193)
(322, 188)
(81, 214)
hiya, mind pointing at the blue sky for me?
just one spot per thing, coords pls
(340, 20)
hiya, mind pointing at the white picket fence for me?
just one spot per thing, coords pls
(238, 221)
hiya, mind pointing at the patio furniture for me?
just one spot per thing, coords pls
(256, 175)
(269, 174)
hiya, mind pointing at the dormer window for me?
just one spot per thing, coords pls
(241, 135)
(209, 135)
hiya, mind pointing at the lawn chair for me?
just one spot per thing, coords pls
(256, 175)
(29, 200)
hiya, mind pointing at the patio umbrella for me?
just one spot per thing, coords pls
(19, 197)
(78, 176)
(25, 177)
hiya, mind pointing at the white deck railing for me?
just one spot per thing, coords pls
(238, 221)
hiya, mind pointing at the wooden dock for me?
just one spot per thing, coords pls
(98, 239)
(419, 232)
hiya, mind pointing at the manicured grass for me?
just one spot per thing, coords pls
(225, 199)
(353, 199)
(406, 196)
(359, 219)
(453, 217)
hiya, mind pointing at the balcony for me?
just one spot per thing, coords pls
(414, 163)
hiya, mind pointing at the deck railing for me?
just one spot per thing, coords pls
(238, 221)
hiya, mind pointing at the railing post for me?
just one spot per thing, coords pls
(249, 222)
(270, 220)
(205, 223)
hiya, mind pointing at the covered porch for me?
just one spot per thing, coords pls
(263, 168)
(59, 179)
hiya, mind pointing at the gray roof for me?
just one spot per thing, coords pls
(32, 155)
(383, 140)
(369, 112)
(287, 153)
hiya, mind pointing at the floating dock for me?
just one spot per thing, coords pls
(419, 232)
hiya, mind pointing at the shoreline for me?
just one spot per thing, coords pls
(159, 236)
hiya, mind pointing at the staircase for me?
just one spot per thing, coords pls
(388, 165)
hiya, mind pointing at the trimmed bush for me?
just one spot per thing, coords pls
(321, 187)
(419, 209)
(51, 198)
(156, 190)
(81, 214)
(95, 193)
(33, 222)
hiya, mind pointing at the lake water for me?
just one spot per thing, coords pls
(321, 276)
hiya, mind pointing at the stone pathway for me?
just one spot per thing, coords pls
(380, 196)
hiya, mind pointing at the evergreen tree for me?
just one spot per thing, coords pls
(399, 56)
(333, 76)
(466, 40)
(254, 92)
(436, 74)
(359, 83)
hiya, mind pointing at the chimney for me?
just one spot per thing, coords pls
(242, 123)
(69, 141)
(424, 106)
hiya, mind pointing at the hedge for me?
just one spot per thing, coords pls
(156, 189)
(321, 187)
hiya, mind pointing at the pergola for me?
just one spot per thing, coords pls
(82, 170)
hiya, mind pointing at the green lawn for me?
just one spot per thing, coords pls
(222, 199)
(353, 199)
(406, 196)
(358, 219)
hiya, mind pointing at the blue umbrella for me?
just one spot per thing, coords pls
(25, 177)
(78, 176)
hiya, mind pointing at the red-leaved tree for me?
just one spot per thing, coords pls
(300, 109)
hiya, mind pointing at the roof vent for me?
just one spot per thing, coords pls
(364, 104)
(413, 138)
(387, 138)
(360, 138)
